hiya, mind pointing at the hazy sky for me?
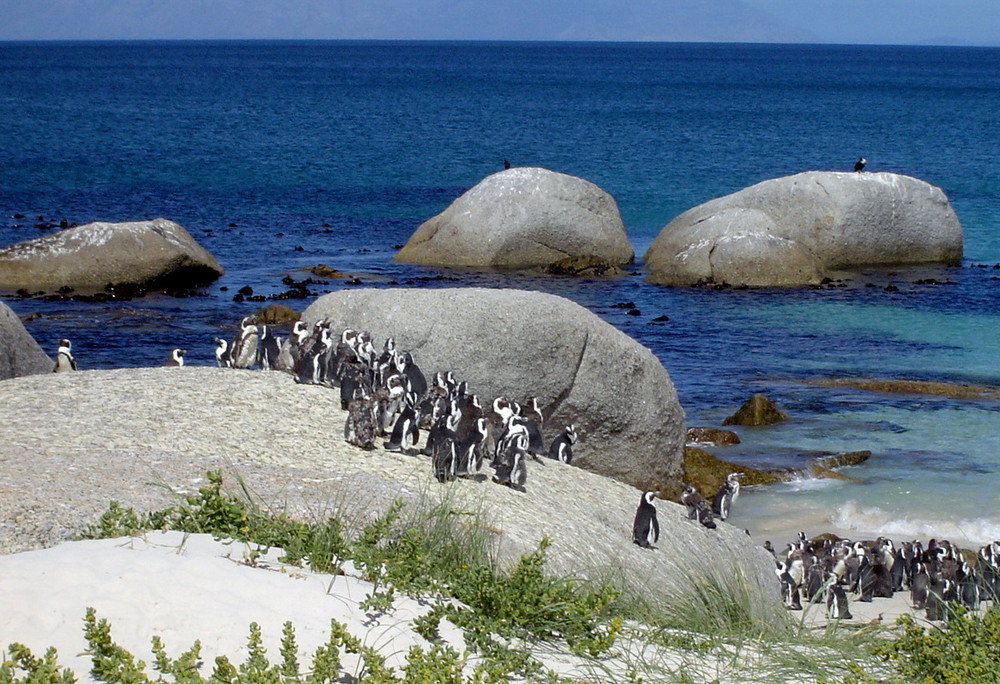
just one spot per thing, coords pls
(964, 22)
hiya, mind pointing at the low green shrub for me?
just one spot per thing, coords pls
(964, 650)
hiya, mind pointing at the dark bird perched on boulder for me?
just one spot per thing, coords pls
(860, 164)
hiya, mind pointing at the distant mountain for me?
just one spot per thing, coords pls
(613, 20)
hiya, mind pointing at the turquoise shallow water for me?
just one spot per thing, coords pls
(283, 155)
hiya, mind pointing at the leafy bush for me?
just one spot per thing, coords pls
(966, 649)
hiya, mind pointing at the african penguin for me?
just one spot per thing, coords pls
(722, 502)
(222, 358)
(561, 448)
(270, 349)
(405, 432)
(64, 357)
(697, 507)
(645, 527)
(244, 348)
(836, 600)
(176, 358)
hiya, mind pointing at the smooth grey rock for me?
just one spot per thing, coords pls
(147, 254)
(19, 352)
(161, 429)
(518, 344)
(522, 217)
(795, 230)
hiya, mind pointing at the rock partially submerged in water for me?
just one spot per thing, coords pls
(710, 435)
(140, 255)
(19, 352)
(584, 265)
(952, 390)
(755, 411)
(518, 344)
(519, 218)
(707, 471)
(796, 230)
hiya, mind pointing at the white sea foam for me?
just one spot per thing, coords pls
(865, 520)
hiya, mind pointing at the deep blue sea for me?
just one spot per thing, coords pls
(278, 156)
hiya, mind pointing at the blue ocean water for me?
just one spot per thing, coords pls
(279, 156)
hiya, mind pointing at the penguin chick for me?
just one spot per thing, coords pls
(64, 357)
(697, 507)
(645, 527)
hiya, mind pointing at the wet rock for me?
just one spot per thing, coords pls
(276, 314)
(755, 411)
(584, 265)
(710, 435)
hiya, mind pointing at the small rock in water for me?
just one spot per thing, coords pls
(755, 411)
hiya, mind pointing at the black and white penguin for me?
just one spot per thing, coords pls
(470, 448)
(243, 352)
(270, 349)
(418, 383)
(789, 589)
(291, 347)
(697, 508)
(445, 457)
(645, 527)
(722, 502)
(860, 164)
(836, 600)
(222, 358)
(405, 432)
(561, 448)
(64, 357)
(176, 358)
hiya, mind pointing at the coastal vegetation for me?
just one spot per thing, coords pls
(508, 615)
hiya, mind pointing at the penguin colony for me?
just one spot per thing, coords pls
(825, 571)
(388, 397)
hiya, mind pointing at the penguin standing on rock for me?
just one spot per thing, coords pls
(645, 527)
(222, 358)
(722, 502)
(243, 351)
(561, 448)
(176, 358)
(64, 357)
(860, 164)
(697, 508)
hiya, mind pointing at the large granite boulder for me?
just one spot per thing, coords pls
(518, 344)
(163, 428)
(519, 218)
(796, 230)
(19, 352)
(141, 254)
